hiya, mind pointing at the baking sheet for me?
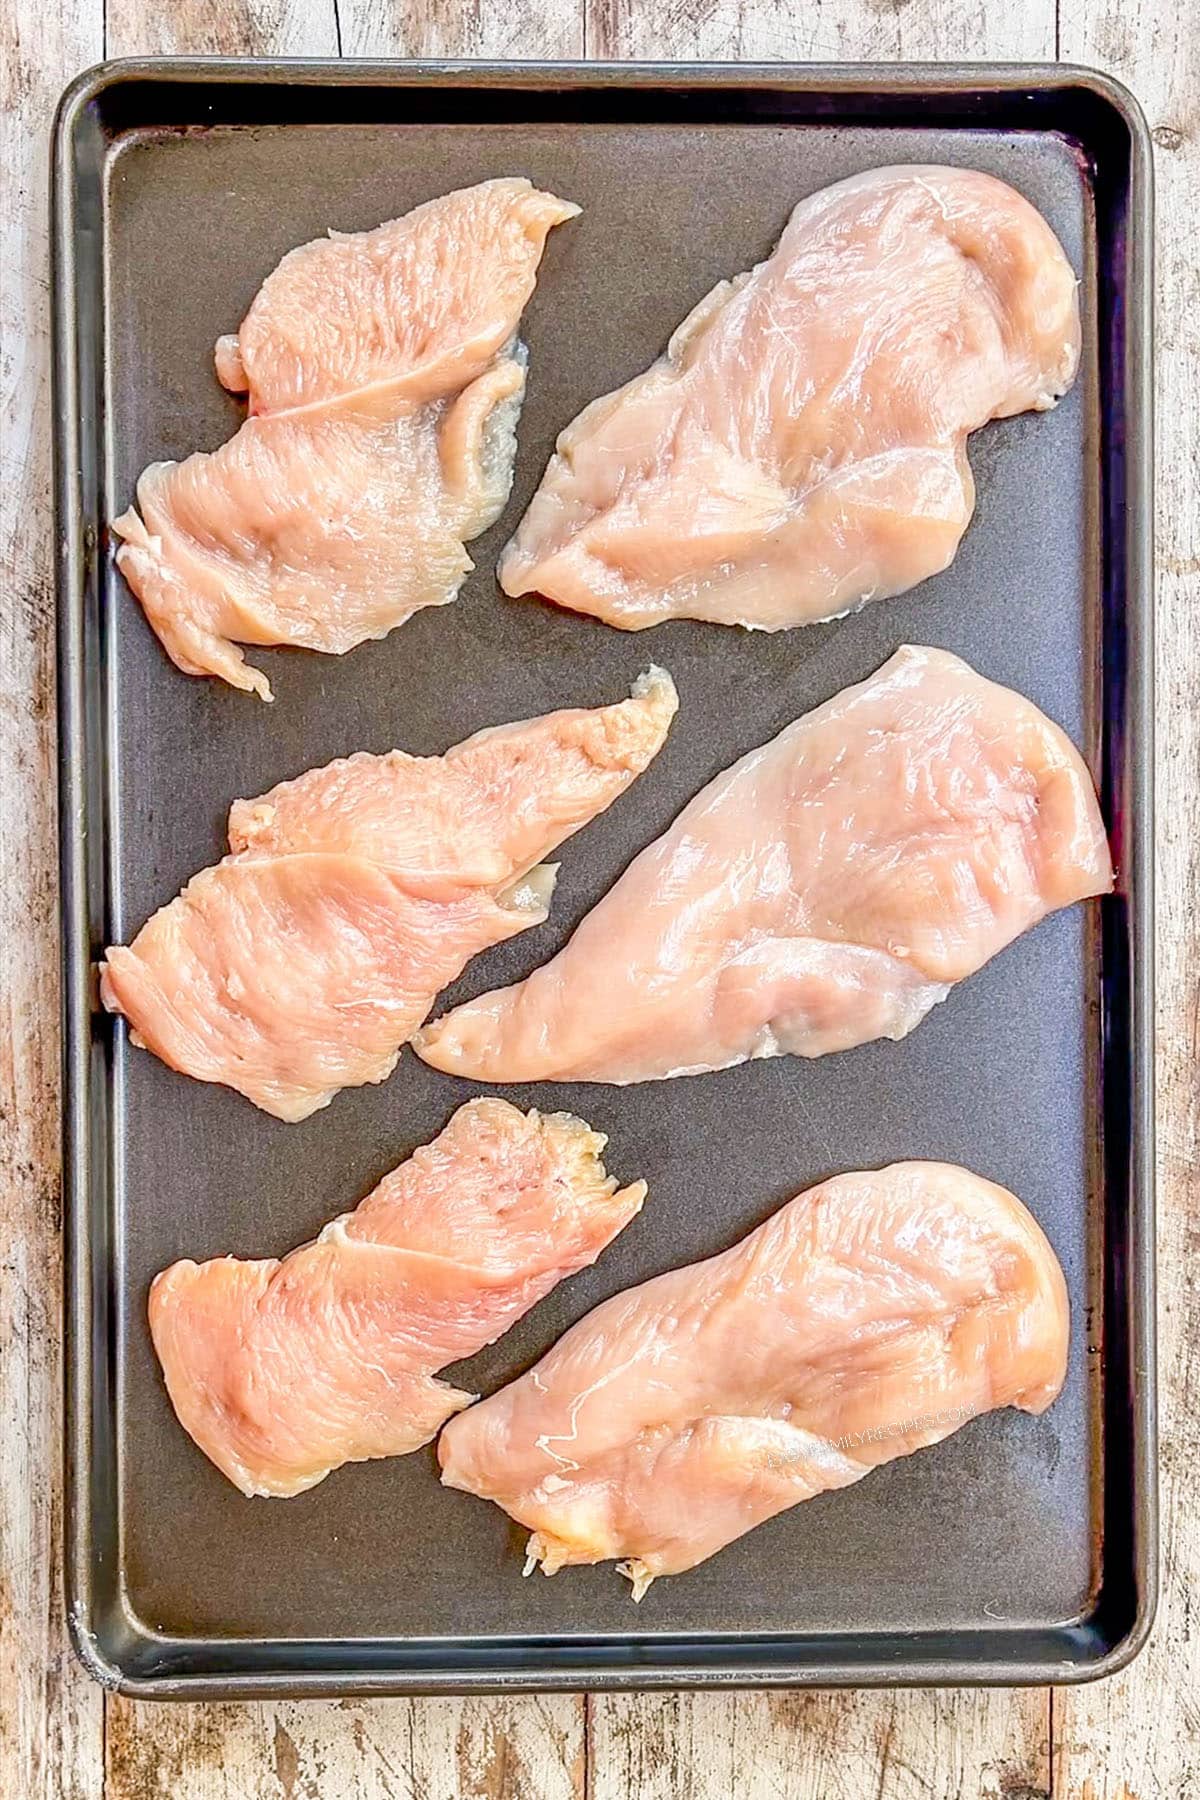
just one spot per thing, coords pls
(1020, 1549)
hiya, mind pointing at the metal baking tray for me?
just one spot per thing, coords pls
(1021, 1550)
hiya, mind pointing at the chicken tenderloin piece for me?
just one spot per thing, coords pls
(828, 889)
(303, 962)
(384, 382)
(282, 1371)
(800, 449)
(869, 1318)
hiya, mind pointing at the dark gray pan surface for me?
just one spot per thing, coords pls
(963, 1561)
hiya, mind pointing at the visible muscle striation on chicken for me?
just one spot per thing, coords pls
(870, 1317)
(801, 447)
(384, 386)
(282, 1371)
(303, 961)
(419, 306)
(828, 889)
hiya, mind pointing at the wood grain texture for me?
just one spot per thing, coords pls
(808, 31)
(525, 1749)
(50, 1715)
(905, 1746)
(1138, 1737)
(219, 27)
(499, 28)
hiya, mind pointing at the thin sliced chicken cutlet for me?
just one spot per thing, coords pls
(828, 889)
(801, 448)
(420, 305)
(870, 1317)
(303, 962)
(282, 1371)
(385, 389)
(318, 530)
(483, 813)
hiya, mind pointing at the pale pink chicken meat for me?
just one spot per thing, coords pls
(282, 1371)
(420, 305)
(304, 961)
(870, 1317)
(828, 889)
(384, 386)
(318, 529)
(801, 447)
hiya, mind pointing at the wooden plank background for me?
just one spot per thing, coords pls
(1133, 1738)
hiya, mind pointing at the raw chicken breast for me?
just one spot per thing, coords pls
(419, 306)
(305, 960)
(801, 448)
(486, 811)
(384, 386)
(318, 529)
(282, 1371)
(868, 1318)
(827, 889)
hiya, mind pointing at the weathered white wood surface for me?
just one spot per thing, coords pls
(1132, 1739)
(808, 31)
(1138, 1736)
(51, 1719)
